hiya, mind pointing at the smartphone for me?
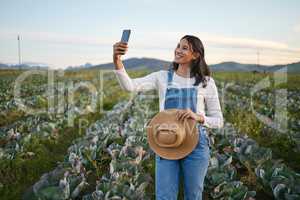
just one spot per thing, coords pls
(125, 35)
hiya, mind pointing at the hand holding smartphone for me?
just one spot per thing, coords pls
(120, 48)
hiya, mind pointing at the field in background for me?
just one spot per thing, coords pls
(237, 109)
(31, 145)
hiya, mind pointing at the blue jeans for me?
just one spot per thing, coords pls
(193, 167)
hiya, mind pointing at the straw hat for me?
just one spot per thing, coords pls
(170, 138)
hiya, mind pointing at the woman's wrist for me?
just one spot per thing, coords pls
(118, 62)
(200, 118)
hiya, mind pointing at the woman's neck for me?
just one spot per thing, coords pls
(183, 70)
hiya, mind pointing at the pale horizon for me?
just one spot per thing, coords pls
(68, 33)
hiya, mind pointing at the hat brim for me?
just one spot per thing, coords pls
(187, 146)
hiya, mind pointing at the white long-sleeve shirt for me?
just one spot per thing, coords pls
(207, 97)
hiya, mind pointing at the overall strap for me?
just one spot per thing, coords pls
(170, 76)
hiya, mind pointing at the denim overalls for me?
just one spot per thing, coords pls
(194, 166)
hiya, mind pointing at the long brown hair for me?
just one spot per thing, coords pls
(199, 68)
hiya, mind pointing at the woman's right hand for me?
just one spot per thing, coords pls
(120, 48)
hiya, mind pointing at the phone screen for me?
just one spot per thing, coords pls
(125, 35)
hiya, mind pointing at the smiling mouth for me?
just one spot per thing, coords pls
(177, 56)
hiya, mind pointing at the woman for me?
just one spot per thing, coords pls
(187, 86)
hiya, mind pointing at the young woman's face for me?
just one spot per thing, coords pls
(183, 52)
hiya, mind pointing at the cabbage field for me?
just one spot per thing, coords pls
(65, 153)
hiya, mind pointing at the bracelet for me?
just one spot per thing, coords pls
(201, 122)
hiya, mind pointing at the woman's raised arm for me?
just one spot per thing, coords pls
(148, 82)
(145, 83)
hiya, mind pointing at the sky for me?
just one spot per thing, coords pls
(63, 33)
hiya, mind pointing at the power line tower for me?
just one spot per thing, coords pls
(257, 53)
(19, 51)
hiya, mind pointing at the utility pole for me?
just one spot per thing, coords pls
(257, 57)
(19, 50)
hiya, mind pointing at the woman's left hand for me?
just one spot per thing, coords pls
(188, 113)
